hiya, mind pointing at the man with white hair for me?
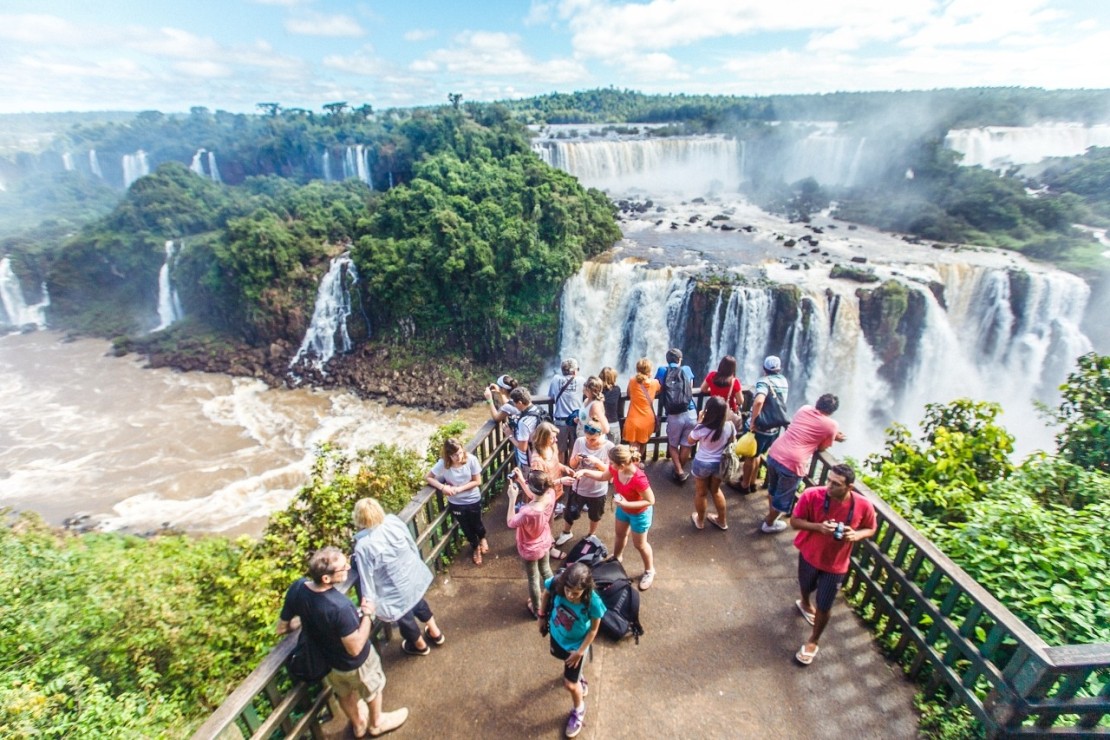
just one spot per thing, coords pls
(566, 394)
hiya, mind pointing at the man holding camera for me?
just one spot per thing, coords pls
(829, 519)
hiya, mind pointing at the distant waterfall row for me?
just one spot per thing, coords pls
(354, 163)
(16, 311)
(997, 147)
(1002, 335)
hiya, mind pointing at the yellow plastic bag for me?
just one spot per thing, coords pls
(746, 445)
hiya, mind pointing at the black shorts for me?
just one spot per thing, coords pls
(594, 507)
(572, 675)
(824, 583)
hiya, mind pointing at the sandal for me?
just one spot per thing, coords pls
(557, 554)
(483, 546)
(808, 615)
(477, 556)
(437, 641)
(694, 519)
(713, 520)
(805, 657)
(531, 609)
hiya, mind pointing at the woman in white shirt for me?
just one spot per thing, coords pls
(458, 475)
(713, 433)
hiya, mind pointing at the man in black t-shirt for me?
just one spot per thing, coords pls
(341, 634)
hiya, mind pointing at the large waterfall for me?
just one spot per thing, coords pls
(329, 317)
(355, 161)
(169, 306)
(1001, 334)
(16, 310)
(134, 166)
(997, 147)
(665, 164)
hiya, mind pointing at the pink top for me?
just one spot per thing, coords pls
(821, 550)
(809, 431)
(533, 530)
(631, 490)
(729, 393)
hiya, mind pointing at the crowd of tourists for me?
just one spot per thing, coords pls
(564, 463)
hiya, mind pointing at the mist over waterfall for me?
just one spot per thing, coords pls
(16, 311)
(997, 147)
(329, 317)
(203, 158)
(169, 306)
(1006, 335)
(134, 166)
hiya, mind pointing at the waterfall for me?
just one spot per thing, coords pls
(329, 317)
(169, 306)
(997, 147)
(326, 159)
(15, 306)
(134, 166)
(828, 157)
(356, 163)
(690, 164)
(213, 170)
(196, 165)
(94, 164)
(67, 161)
(1001, 335)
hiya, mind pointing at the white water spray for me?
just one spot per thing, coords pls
(94, 164)
(997, 147)
(135, 166)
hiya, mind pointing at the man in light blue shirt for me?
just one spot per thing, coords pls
(566, 392)
(678, 403)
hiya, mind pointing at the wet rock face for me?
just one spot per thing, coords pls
(893, 320)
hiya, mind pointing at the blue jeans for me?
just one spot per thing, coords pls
(785, 487)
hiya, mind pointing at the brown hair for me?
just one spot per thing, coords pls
(726, 371)
(643, 370)
(595, 387)
(608, 376)
(323, 562)
(544, 436)
(451, 447)
(624, 454)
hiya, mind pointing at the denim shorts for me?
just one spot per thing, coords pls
(785, 488)
(705, 469)
(640, 522)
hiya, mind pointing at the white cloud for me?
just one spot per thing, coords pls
(203, 69)
(495, 54)
(46, 30)
(419, 34)
(362, 62)
(315, 24)
(112, 69)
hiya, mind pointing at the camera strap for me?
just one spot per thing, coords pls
(851, 506)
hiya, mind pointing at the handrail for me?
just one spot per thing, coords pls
(936, 619)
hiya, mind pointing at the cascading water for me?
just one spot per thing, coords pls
(1005, 345)
(202, 157)
(997, 147)
(665, 164)
(67, 161)
(329, 317)
(213, 170)
(18, 313)
(326, 166)
(134, 166)
(169, 306)
(196, 165)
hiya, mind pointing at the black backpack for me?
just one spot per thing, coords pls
(678, 391)
(589, 550)
(622, 601)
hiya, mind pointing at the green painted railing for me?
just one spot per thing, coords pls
(946, 630)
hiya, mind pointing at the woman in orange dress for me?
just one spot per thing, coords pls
(639, 424)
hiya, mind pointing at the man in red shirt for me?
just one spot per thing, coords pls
(829, 520)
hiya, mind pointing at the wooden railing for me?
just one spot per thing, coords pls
(946, 630)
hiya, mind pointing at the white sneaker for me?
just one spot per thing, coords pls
(563, 539)
(646, 579)
(778, 526)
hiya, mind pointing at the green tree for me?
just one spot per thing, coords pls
(1084, 414)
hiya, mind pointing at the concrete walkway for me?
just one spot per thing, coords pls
(717, 659)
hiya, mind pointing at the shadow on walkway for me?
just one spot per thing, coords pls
(717, 658)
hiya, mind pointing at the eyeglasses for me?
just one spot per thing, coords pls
(340, 569)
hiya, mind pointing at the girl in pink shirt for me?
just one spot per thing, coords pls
(533, 528)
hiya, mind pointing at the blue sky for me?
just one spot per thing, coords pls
(130, 55)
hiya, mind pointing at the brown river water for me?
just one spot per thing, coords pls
(82, 432)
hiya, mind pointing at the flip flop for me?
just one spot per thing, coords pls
(557, 554)
(808, 615)
(804, 657)
(477, 556)
(713, 520)
(694, 519)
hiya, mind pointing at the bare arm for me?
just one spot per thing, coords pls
(356, 641)
(284, 627)
(576, 657)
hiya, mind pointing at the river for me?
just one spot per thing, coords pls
(84, 432)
